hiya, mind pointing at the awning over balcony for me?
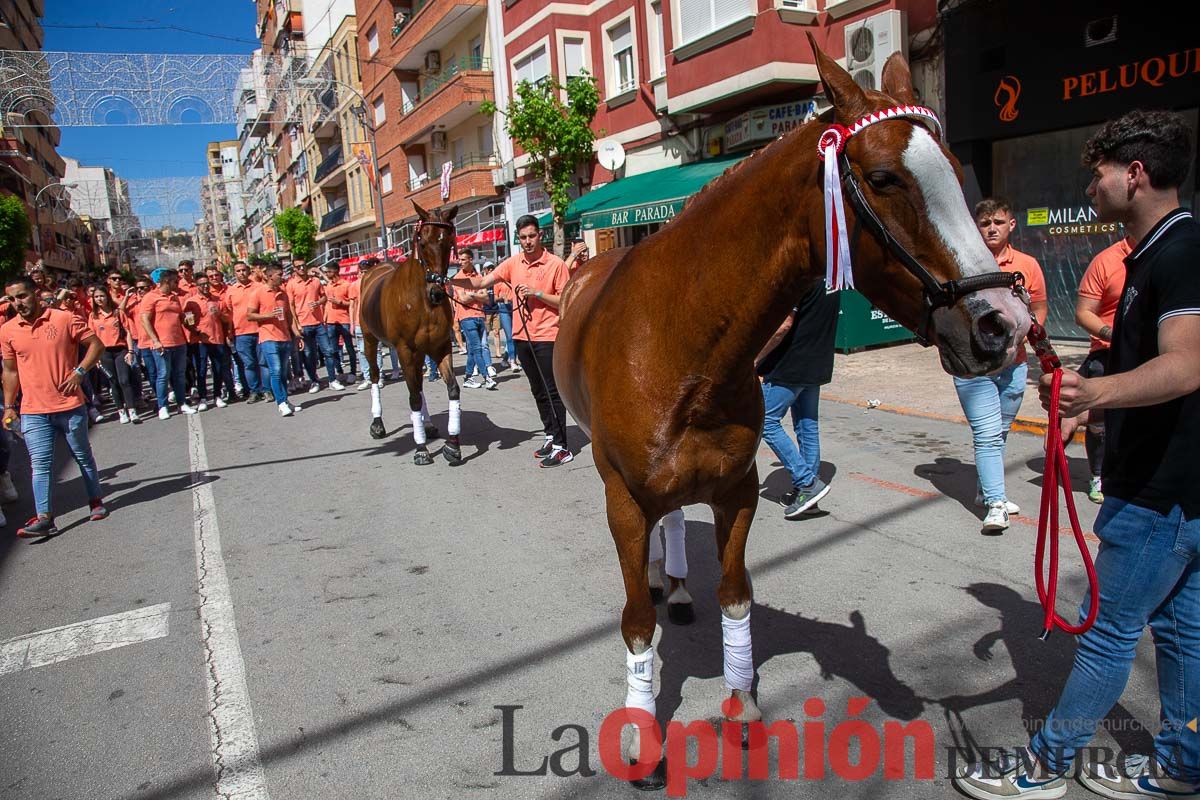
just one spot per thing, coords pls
(643, 199)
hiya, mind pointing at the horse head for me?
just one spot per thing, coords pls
(913, 186)
(434, 240)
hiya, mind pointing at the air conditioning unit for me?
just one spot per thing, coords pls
(437, 141)
(433, 61)
(870, 41)
(505, 175)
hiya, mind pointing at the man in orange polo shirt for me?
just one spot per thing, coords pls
(337, 318)
(212, 330)
(40, 348)
(238, 298)
(308, 300)
(537, 278)
(277, 328)
(162, 321)
(469, 316)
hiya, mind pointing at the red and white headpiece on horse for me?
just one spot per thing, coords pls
(838, 272)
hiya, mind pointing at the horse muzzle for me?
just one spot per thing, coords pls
(984, 335)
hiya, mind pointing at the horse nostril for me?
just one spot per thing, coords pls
(993, 330)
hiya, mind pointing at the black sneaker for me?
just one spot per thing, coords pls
(545, 450)
(805, 498)
(253, 398)
(559, 455)
(789, 497)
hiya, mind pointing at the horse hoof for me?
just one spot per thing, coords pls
(681, 613)
(377, 429)
(431, 432)
(452, 455)
(422, 458)
(656, 594)
(653, 782)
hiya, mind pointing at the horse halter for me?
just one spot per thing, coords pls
(437, 290)
(832, 148)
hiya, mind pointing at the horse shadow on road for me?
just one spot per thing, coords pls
(845, 651)
(1040, 668)
(479, 434)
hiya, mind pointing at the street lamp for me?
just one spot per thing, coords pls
(37, 213)
(361, 112)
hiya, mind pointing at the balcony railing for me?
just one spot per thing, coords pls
(335, 217)
(329, 163)
(471, 160)
(447, 74)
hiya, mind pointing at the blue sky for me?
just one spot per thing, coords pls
(159, 26)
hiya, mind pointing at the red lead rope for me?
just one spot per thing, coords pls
(1057, 474)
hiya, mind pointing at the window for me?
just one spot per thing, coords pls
(385, 180)
(458, 151)
(475, 52)
(372, 40)
(622, 78)
(698, 18)
(658, 44)
(416, 167)
(534, 67)
(380, 114)
(486, 145)
(572, 58)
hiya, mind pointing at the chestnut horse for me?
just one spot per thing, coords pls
(656, 346)
(405, 305)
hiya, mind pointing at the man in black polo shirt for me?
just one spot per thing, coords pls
(1149, 524)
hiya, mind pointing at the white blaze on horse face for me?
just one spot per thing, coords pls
(945, 206)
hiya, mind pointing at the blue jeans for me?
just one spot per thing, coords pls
(339, 336)
(218, 354)
(504, 311)
(316, 339)
(150, 365)
(171, 366)
(801, 462)
(40, 431)
(246, 345)
(991, 404)
(472, 331)
(275, 356)
(1149, 571)
(362, 355)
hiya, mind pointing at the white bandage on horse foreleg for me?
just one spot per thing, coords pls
(376, 401)
(418, 428)
(673, 527)
(639, 677)
(656, 548)
(424, 408)
(455, 421)
(739, 660)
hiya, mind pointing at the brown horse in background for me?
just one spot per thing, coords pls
(655, 353)
(405, 305)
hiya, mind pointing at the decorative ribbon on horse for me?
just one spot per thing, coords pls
(839, 273)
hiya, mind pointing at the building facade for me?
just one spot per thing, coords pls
(101, 197)
(221, 200)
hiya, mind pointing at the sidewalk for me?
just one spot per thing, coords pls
(909, 379)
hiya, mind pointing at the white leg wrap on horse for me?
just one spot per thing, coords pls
(376, 401)
(418, 427)
(424, 408)
(656, 546)
(739, 660)
(639, 677)
(452, 425)
(676, 548)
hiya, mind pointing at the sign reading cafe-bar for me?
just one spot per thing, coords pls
(633, 215)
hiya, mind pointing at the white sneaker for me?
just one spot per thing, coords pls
(314, 387)
(285, 409)
(202, 407)
(997, 517)
(237, 387)
(164, 413)
(396, 376)
(516, 367)
(1009, 505)
(133, 416)
(94, 414)
(337, 386)
(491, 372)
(221, 403)
(8, 492)
(366, 384)
(186, 409)
(123, 416)
(171, 396)
(471, 383)
(490, 384)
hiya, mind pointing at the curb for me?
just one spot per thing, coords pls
(1032, 425)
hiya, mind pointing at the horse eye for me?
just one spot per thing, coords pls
(880, 179)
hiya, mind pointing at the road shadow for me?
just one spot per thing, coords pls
(841, 650)
(1041, 670)
(1077, 468)
(952, 478)
(779, 481)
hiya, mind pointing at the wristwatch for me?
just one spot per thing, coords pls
(79, 371)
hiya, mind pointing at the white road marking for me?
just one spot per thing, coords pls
(235, 753)
(84, 638)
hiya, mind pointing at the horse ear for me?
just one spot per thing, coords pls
(449, 214)
(422, 213)
(897, 79)
(847, 97)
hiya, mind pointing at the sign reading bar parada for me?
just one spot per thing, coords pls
(767, 123)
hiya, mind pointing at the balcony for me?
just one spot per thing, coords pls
(446, 100)
(471, 178)
(431, 26)
(335, 217)
(328, 164)
(472, 160)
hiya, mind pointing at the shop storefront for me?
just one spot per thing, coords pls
(1026, 87)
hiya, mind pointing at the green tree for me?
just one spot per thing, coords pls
(297, 229)
(14, 235)
(557, 136)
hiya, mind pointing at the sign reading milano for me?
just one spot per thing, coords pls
(1028, 66)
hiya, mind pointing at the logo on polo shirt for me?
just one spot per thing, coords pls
(1008, 91)
(1131, 294)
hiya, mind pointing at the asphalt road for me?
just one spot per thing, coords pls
(353, 621)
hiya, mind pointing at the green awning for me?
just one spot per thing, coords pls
(646, 198)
